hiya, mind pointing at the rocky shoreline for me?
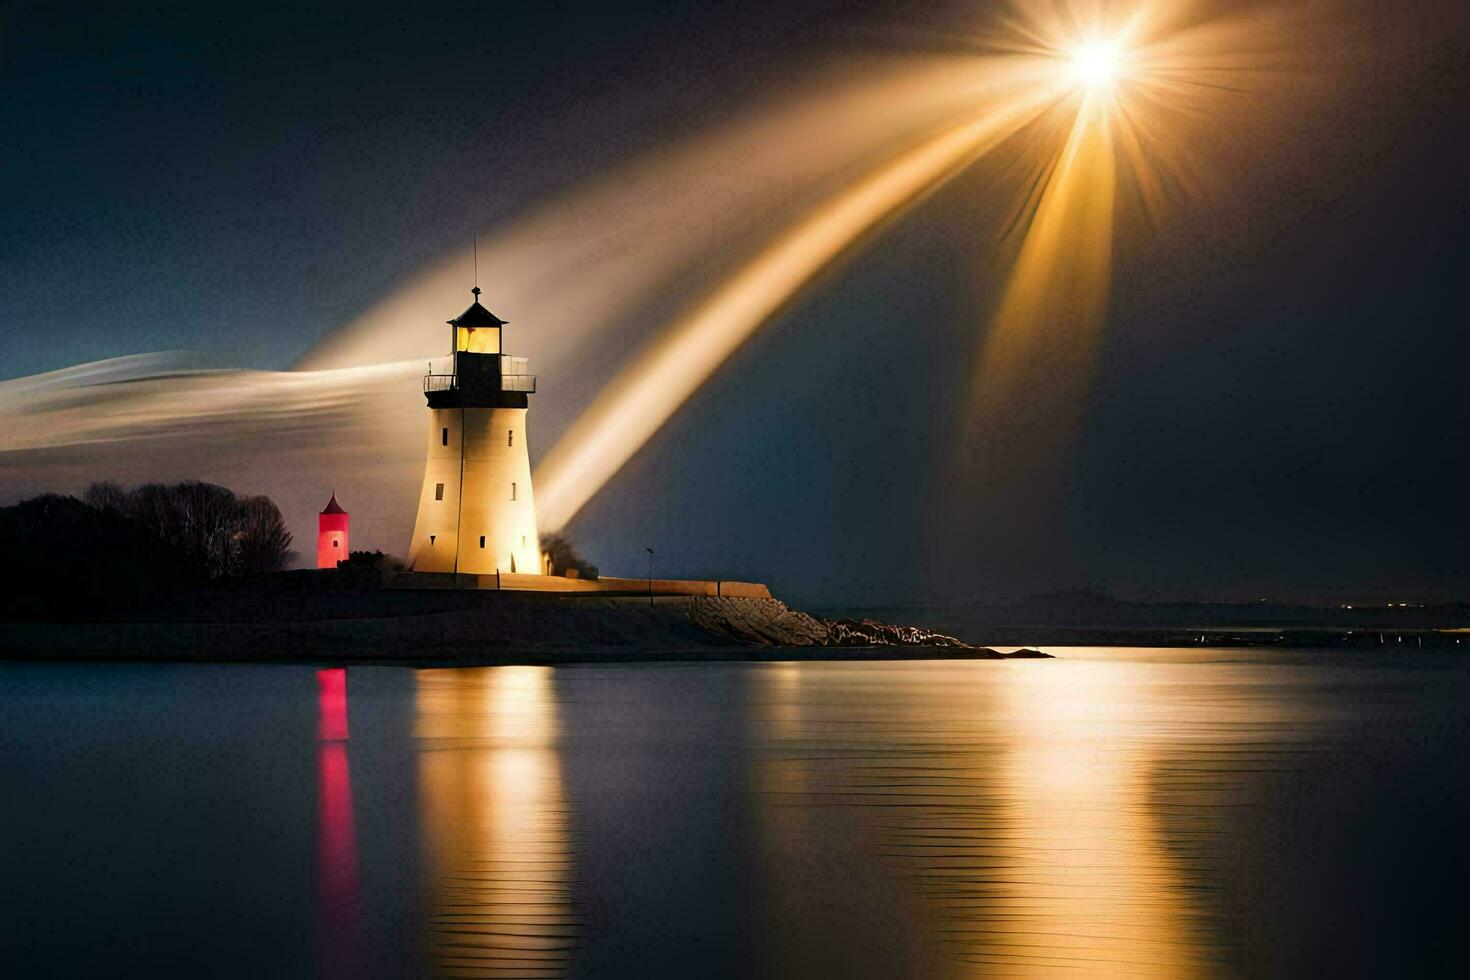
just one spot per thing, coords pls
(770, 622)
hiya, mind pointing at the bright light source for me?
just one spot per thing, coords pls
(1097, 64)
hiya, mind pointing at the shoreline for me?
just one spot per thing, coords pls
(476, 629)
(548, 658)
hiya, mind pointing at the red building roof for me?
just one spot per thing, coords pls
(333, 507)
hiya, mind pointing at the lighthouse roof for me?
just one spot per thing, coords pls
(333, 507)
(477, 315)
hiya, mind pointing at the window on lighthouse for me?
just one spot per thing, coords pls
(510, 437)
(444, 437)
(478, 340)
(438, 491)
(512, 491)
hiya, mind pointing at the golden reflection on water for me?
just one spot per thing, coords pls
(494, 818)
(1021, 808)
(1087, 878)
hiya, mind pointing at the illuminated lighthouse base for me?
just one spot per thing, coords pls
(476, 513)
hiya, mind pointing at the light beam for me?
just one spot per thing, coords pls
(644, 395)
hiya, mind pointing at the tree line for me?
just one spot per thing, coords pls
(115, 542)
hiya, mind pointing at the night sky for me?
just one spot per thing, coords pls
(1278, 404)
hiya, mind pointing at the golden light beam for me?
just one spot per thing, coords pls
(1036, 362)
(1029, 389)
(1150, 83)
(605, 252)
(1049, 314)
(638, 402)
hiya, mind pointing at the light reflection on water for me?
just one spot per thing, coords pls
(498, 862)
(1086, 815)
(1013, 801)
(1129, 812)
(1120, 812)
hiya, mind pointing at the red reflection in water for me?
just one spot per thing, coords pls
(338, 888)
(331, 686)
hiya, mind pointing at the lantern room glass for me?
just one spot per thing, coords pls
(477, 340)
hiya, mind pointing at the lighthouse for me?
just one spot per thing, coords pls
(331, 534)
(476, 513)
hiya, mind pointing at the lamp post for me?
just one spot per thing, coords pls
(650, 577)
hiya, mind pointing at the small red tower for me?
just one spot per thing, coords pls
(331, 534)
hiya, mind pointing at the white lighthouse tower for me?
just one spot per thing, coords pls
(476, 512)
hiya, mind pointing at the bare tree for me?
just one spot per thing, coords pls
(262, 542)
(106, 496)
(215, 532)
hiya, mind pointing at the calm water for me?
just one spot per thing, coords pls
(1115, 812)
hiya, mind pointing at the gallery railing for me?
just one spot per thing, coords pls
(508, 382)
